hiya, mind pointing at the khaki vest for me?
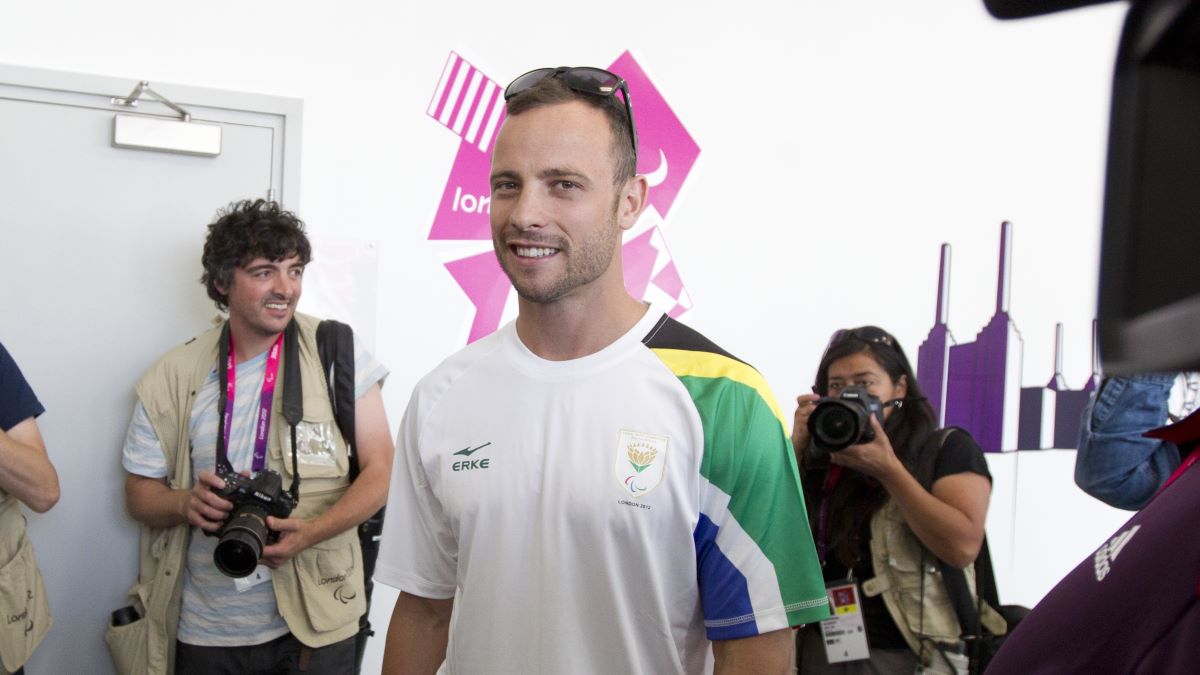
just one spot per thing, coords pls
(320, 592)
(908, 578)
(25, 611)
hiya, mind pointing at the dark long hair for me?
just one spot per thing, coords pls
(553, 90)
(856, 497)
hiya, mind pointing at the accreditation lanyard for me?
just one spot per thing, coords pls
(831, 481)
(264, 403)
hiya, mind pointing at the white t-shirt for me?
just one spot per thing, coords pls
(608, 514)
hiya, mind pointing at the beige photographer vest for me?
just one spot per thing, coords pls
(908, 578)
(320, 591)
(26, 612)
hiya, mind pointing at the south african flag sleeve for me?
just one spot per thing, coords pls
(756, 563)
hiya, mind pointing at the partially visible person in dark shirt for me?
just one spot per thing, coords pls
(1130, 607)
(26, 477)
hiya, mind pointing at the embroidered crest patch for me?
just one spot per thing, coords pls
(640, 461)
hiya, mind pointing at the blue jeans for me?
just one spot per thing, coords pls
(1115, 463)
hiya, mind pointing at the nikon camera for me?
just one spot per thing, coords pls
(839, 422)
(245, 532)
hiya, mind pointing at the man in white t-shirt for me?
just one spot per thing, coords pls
(594, 488)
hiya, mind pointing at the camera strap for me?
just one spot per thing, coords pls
(292, 399)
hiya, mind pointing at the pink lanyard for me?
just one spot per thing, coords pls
(831, 481)
(264, 404)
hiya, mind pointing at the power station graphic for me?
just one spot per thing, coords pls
(977, 385)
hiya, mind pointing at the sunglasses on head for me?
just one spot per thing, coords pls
(584, 79)
(864, 334)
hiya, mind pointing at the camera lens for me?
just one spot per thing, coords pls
(838, 423)
(237, 555)
(241, 543)
(837, 427)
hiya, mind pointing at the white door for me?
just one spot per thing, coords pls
(99, 275)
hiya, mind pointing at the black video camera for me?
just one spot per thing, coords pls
(839, 422)
(245, 532)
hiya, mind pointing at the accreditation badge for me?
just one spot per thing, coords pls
(261, 574)
(845, 635)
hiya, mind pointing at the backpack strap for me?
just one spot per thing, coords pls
(335, 345)
(954, 579)
(966, 608)
(985, 578)
(925, 462)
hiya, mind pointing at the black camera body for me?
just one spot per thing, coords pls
(839, 422)
(245, 532)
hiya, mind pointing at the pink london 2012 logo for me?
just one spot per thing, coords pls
(471, 105)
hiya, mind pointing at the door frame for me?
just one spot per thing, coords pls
(283, 115)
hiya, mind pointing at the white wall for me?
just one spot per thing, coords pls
(1040, 526)
(841, 143)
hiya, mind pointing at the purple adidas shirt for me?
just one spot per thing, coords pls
(1130, 607)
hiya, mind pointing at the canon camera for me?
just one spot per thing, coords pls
(245, 532)
(844, 420)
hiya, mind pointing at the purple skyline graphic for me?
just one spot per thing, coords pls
(977, 385)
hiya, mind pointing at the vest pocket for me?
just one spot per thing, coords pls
(26, 613)
(331, 582)
(320, 450)
(128, 644)
(909, 580)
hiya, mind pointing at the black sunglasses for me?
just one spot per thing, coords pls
(585, 79)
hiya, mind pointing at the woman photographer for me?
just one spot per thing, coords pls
(873, 519)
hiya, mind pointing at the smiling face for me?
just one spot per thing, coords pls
(863, 371)
(556, 216)
(263, 295)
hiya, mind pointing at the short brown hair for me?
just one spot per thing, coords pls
(553, 91)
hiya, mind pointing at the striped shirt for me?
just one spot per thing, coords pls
(214, 612)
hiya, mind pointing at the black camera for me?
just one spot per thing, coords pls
(839, 422)
(245, 532)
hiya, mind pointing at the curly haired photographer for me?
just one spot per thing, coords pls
(219, 423)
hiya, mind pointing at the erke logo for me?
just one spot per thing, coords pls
(471, 105)
(472, 464)
(468, 451)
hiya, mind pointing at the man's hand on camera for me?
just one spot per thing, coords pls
(205, 509)
(293, 538)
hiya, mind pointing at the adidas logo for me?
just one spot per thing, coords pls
(1104, 557)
